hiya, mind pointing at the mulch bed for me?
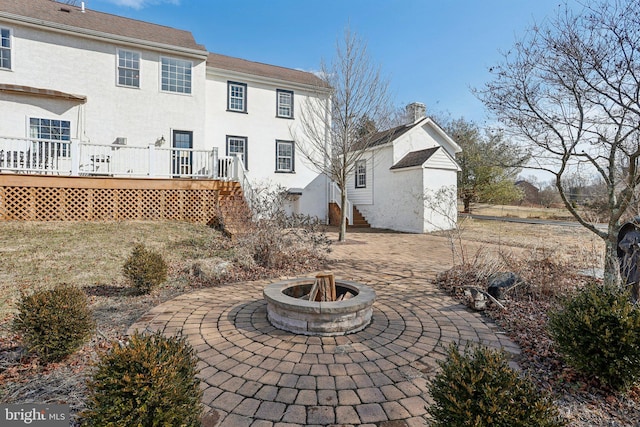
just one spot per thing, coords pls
(583, 401)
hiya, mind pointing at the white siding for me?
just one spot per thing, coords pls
(397, 194)
(440, 160)
(363, 196)
(86, 67)
(440, 200)
(262, 128)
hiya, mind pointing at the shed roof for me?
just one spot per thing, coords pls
(415, 158)
(44, 12)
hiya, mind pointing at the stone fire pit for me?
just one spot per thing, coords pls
(288, 312)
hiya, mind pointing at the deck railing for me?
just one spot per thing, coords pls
(74, 158)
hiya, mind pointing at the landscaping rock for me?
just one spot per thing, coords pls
(500, 283)
(210, 268)
(475, 299)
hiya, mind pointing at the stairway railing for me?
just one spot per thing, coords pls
(335, 196)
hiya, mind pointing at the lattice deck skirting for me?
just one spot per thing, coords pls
(46, 198)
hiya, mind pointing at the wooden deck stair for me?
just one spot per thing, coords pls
(236, 214)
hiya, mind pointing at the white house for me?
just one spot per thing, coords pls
(89, 93)
(406, 180)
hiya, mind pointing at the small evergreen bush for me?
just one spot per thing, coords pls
(55, 322)
(478, 388)
(598, 333)
(145, 269)
(149, 382)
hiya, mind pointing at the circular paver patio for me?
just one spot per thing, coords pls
(256, 375)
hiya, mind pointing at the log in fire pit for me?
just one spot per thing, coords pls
(321, 306)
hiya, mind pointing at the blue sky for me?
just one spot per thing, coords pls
(432, 51)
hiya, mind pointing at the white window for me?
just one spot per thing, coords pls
(285, 103)
(237, 97)
(5, 48)
(361, 174)
(50, 130)
(176, 75)
(237, 146)
(285, 151)
(128, 68)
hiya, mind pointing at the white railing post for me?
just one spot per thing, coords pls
(151, 172)
(237, 164)
(214, 163)
(75, 157)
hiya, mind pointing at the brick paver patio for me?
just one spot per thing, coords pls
(255, 375)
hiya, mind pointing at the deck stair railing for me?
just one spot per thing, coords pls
(335, 196)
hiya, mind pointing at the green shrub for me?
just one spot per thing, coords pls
(55, 322)
(149, 382)
(145, 269)
(478, 388)
(598, 333)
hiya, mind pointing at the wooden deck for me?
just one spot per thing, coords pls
(63, 198)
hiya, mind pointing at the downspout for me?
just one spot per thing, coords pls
(327, 128)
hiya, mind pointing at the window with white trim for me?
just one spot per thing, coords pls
(128, 68)
(5, 48)
(285, 156)
(361, 174)
(175, 75)
(46, 131)
(237, 146)
(285, 103)
(237, 97)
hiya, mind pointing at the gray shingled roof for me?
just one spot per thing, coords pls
(48, 12)
(230, 63)
(386, 136)
(415, 158)
(58, 13)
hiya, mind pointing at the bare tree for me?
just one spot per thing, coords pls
(335, 132)
(570, 90)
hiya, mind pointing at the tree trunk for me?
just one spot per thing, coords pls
(466, 201)
(342, 235)
(611, 262)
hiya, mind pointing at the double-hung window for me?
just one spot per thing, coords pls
(237, 146)
(285, 103)
(361, 174)
(237, 97)
(175, 75)
(46, 133)
(5, 48)
(128, 68)
(285, 156)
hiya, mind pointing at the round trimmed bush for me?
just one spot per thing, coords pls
(54, 322)
(149, 382)
(598, 333)
(145, 269)
(478, 388)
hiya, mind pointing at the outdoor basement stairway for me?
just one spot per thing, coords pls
(359, 221)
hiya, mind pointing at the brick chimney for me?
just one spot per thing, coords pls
(416, 111)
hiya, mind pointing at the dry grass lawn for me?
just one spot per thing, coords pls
(40, 254)
(571, 243)
(520, 211)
